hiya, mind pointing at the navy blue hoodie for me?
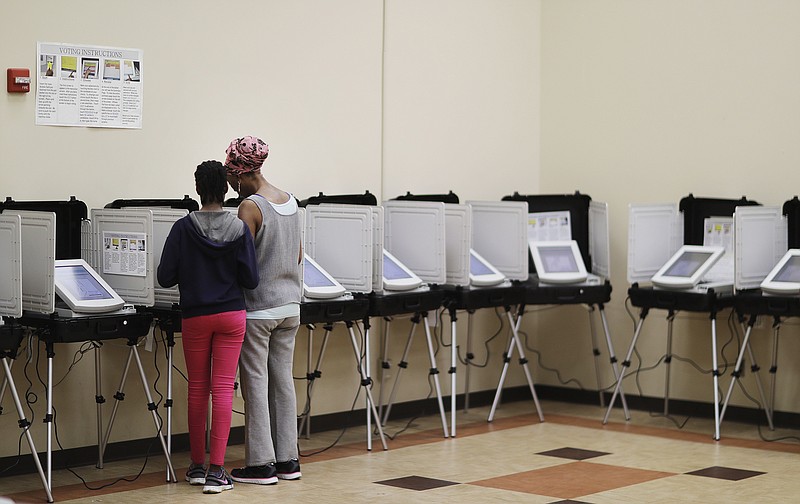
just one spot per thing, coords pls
(211, 257)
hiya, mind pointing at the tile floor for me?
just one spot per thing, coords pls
(571, 457)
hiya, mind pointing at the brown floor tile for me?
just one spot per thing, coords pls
(416, 483)
(726, 473)
(573, 453)
(572, 480)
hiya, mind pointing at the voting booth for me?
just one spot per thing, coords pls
(341, 247)
(568, 241)
(163, 213)
(657, 240)
(415, 242)
(767, 282)
(11, 331)
(67, 300)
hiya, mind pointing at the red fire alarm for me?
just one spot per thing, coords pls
(19, 80)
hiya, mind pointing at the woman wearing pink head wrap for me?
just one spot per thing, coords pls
(246, 155)
(273, 316)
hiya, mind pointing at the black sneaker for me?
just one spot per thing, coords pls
(258, 475)
(217, 482)
(289, 470)
(196, 474)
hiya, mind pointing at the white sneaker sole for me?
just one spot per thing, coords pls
(290, 476)
(216, 489)
(256, 481)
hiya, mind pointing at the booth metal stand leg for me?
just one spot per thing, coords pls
(668, 360)
(403, 364)
(133, 354)
(4, 386)
(715, 373)
(626, 363)
(99, 400)
(453, 362)
(366, 382)
(596, 354)
(773, 370)
(522, 360)
(470, 358)
(311, 376)
(48, 418)
(754, 368)
(168, 400)
(613, 359)
(385, 365)
(24, 424)
(434, 371)
(119, 396)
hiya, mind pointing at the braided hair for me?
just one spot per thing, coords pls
(211, 182)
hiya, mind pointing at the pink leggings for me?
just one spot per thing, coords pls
(211, 346)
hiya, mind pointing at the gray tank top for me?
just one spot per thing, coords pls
(277, 244)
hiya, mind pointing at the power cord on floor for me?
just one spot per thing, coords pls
(540, 362)
(341, 434)
(469, 361)
(118, 480)
(422, 413)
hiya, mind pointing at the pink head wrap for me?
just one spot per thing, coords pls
(246, 155)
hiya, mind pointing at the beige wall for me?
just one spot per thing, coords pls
(647, 102)
(352, 95)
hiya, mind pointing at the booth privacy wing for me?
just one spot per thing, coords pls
(499, 234)
(458, 241)
(760, 239)
(38, 260)
(415, 233)
(599, 243)
(654, 235)
(10, 265)
(340, 239)
(123, 241)
(163, 220)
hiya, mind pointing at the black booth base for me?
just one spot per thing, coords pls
(757, 303)
(92, 328)
(678, 300)
(11, 335)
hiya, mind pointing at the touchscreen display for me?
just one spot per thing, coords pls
(558, 260)
(313, 277)
(477, 268)
(790, 272)
(391, 271)
(687, 264)
(80, 283)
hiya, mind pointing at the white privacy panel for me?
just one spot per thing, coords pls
(163, 220)
(123, 241)
(599, 243)
(340, 239)
(377, 247)
(38, 260)
(760, 240)
(458, 240)
(500, 235)
(654, 235)
(415, 234)
(10, 265)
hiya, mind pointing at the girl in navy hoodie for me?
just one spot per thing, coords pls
(210, 255)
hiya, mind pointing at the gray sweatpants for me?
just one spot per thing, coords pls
(265, 368)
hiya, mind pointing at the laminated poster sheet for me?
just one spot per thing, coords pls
(89, 86)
